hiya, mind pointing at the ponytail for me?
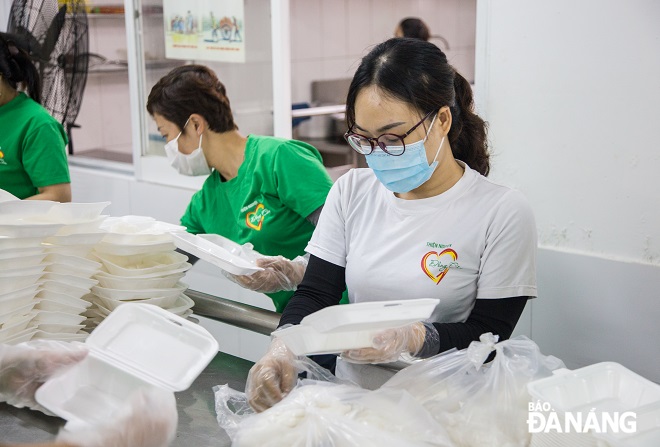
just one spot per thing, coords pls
(17, 68)
(467, 135)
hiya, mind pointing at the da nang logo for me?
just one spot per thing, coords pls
(255, 219)
(436, 264)
(2, 157)
(543, 418)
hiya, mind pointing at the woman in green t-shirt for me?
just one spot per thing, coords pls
(260, 190)
(33, 162)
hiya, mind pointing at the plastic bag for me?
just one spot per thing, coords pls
(479, 404)
(321, 413)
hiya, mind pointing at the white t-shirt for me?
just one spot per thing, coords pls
(476, 240)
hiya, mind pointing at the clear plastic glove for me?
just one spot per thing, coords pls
(26, 366)
(279, 273)
(149, 419)
(390, 344)
(272, 377)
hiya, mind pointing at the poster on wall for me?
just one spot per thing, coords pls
(208, 30)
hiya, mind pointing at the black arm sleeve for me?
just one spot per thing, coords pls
(498, 316)
(322, 286)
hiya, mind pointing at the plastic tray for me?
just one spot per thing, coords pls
(605, 387)
(215, 254)
(352, 326)
(136, 346)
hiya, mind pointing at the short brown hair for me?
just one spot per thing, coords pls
(192, 89)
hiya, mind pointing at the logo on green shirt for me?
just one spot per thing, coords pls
(2, 157)
(254, 219)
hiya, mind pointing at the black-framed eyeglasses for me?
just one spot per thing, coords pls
(390, 143)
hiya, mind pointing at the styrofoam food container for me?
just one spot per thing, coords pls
(160, 301)
(182, 304)
(31, 288)
(91, 226)
(76, 212)
(14, 283)
(136, 239)
(214, 253)
(23, 229)
(137, 282)
(62, 298)
(55, 328)
(24, 310)
(143, 264)
(56, 306)
(352, 326)
(137, 346)
(77, 239)
(23, 336)
(26, 208)
(133, 249)
(43, 335)
(138, 294)
(15, 253)
(8, 274)
(77, 262)
(11, 302)
(8, 243)
(15, 325)
(66, 269)
(76, 281)
(601, 387)
(49, 317)
(21, 262)
(60, 287)
(162, 274)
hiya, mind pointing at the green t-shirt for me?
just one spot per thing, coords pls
(278, 185)
(32, 148)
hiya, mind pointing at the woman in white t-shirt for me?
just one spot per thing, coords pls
(422, 222)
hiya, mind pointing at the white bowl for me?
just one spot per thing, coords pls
(137, 282)
(21, 262)
(76, 281)
(13, 253)
(138, 294)
(50, 317)
(9, 243)
(91, 226)
(143, 264)
(26, 208)
(72, 212)
(133, 249)
(12, 284)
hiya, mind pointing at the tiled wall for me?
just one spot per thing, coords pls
(328, 37)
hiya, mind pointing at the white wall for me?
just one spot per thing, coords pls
(5, 6)
(571, 92)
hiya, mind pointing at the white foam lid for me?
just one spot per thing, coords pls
(154, 345)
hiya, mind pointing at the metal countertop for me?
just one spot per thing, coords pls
(197, 423)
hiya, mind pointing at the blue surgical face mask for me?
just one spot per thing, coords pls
(407, 171)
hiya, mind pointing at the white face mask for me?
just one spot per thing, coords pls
(193, 163)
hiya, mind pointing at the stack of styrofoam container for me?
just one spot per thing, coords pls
(40, 288)
(139, 264)
(622, 407)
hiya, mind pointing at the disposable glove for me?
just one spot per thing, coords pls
(149, 419)
(26, 366)
(390, 344)
(279, 273)
(272, 377)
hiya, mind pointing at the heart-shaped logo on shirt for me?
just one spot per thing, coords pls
(254, 219)
(435, 262)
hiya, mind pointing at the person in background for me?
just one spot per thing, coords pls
(148, 419)
(414, 28)
(33, 161)
(422, 222)
(263, 191)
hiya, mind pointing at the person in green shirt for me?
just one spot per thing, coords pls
(33, 162)
(260, 190)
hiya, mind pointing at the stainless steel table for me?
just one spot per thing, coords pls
(197, 423)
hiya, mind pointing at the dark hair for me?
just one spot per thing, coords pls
(192, 89)
(17, 68)
(417, 73)
(414, 28)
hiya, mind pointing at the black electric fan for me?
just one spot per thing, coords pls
(55, 34)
